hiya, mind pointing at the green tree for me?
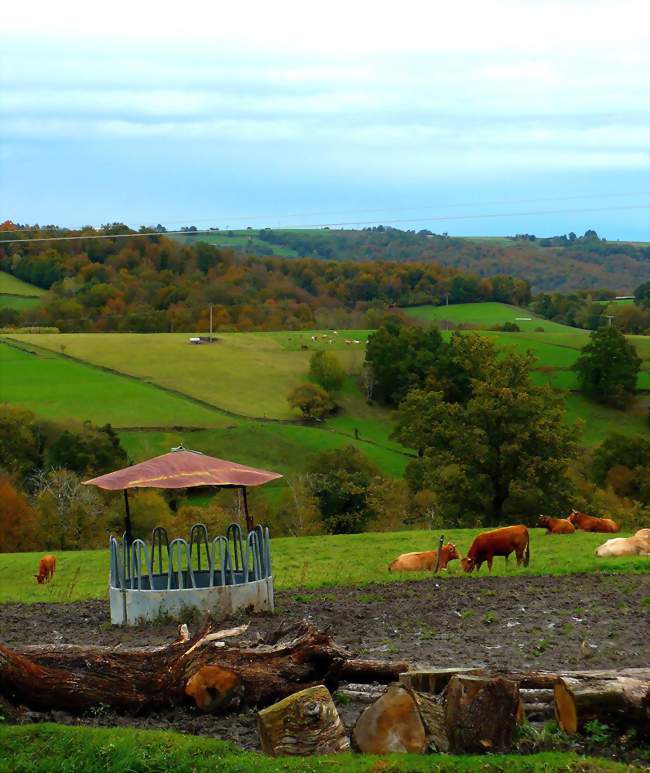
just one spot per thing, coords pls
(20, 443)
(401, 358)
(608, 367)
(341, 482)
(642, 295)
(502, 453)
(86, 449)
(326, 370)
(312, 400)
(623, 463)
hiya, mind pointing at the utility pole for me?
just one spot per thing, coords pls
(610, 317)
(210, 323)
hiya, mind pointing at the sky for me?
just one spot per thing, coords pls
(472, 118)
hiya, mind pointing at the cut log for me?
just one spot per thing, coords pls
(614, 700)
(481, 713)
(391, 724)
(432, 714)
(382, 671)
(433, 681)
(302, 724)
(211, 669)
(362, 692)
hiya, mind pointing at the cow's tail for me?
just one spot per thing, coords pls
(527, 550)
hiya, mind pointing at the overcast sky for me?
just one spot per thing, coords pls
(340, 112)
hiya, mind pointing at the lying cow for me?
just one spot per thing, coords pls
(46, 567)
(498, 542)
(590, 523)
(556, 525)
(425, 561)
(638, 545)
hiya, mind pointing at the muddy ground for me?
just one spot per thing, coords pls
(572, 622)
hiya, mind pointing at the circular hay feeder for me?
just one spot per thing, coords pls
(179, 578)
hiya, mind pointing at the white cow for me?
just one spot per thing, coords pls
(638, 545)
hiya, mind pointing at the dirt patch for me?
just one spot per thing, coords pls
(571, 622)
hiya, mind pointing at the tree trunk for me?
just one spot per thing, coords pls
(302, 724)
(382, 671)
(610, 700)
(216, 675)
(481, 713)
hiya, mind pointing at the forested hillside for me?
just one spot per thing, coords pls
(562, 263)
(154, 283)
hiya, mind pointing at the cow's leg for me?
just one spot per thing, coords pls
(489, 562)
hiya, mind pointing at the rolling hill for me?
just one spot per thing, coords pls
(18, 295)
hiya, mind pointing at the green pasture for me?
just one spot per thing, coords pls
(248, 374)
(600, 421)
(325, 561)
(42, 748)
(11, 284)
(238, 240)
(484, 315)
(18, 302)
(57, 388)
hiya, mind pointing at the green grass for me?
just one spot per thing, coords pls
(42, 748)
(18, 302)
(323, 561)
(484, 315)
(601, 421)
(57, 388)
(14, 286)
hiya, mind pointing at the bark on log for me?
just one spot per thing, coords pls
(481, 713)
(619, 700)
(217, 674)
(433, 681)
(432, 714)
(382, 671)
(302, 724)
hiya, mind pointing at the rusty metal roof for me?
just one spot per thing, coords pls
(183, 469)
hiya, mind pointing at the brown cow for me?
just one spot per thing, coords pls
(556, 525)
(498, 542)
(46, 567)
(591, 523)
(425, 561)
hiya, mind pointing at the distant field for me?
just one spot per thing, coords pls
(315, 562)
(249, 374)
(56, 388)
(18, 302)
(239, 240)
(15, 286)
(485, 315)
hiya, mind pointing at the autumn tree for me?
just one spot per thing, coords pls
(608, 367)
(18, 522)
(501, 454)
(312, 400)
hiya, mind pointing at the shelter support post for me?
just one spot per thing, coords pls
(249, 519)
(127, 519)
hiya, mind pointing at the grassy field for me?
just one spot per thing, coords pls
(246, 373)
(484, 315)
(323, 561)
(11, 284)
(43, 748)
(57, 388)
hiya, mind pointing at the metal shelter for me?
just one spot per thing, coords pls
(182, 468)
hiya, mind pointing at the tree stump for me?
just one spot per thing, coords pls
(432, 681)
(432, 714)
(619, 700)
(481, 713)
(391, 724)
(303, 724)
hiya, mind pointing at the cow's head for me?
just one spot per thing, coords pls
(40, 578)
(543, 521)
(451, 551)
(467, 564)
(574, 516)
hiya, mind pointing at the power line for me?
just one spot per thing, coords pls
(338, 224)
(234, 218)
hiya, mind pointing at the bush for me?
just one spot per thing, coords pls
(326, 370)
(312, 400)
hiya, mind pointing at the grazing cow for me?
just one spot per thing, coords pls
(638, 545)
(590, 523)
(556, 525)
(424, 562)
(498, 542)
(46, 567)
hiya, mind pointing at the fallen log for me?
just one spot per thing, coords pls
(210, 669)
(611, 700)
